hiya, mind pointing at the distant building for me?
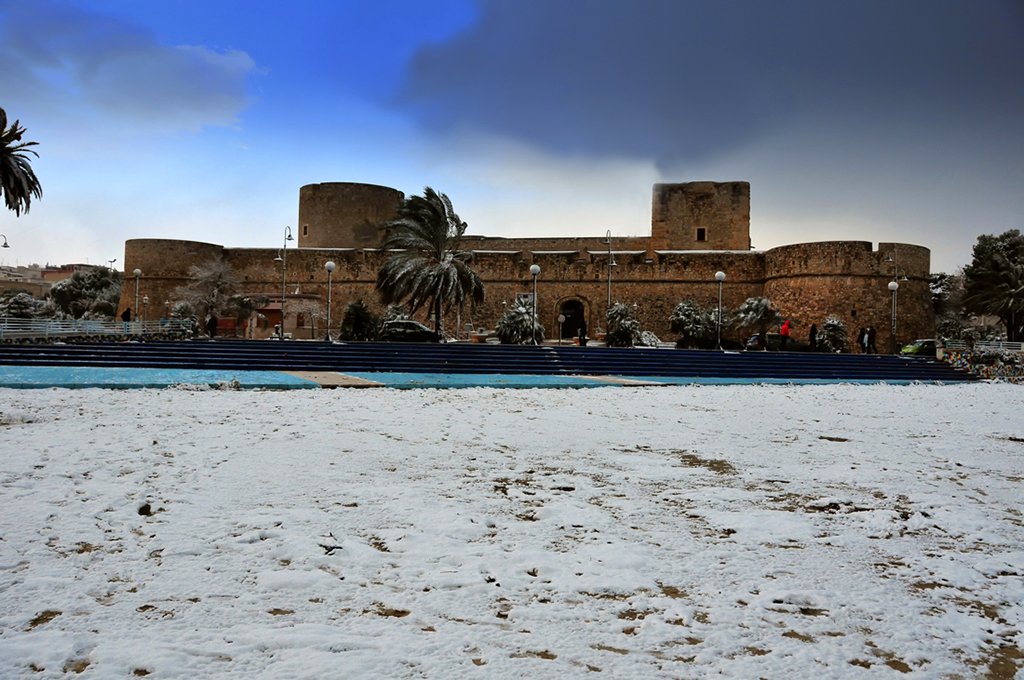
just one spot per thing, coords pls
(697, 228)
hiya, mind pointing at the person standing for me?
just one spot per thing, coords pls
(583, 333)
(784, 332)
(812, 337)
(862, 340)
(871, 341)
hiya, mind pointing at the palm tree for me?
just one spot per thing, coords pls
(428, 267)
(18, 183)
(758, 312)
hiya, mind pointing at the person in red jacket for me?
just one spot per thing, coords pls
(784, 331)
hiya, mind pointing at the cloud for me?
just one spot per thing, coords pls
(679, 81)
(113, 77)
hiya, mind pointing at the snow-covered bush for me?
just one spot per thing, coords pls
(697, 327)
(649, 339)
(19, 305)
(623, 328)
(517, 326)
(832, 335)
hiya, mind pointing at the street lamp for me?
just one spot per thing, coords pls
(284, 273)
(138, 273)
(720, 277)
(535, 270)
(145, 307)
(893, 286)
(330, 270)
(5, 242)
(611, 263)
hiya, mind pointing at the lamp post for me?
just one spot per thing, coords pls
(284, 274)
(611, 263)
(330, 270)
(138, 273)
(5, 241)
(145, 307)
(720, 277)
(893, 286)
(535, 270)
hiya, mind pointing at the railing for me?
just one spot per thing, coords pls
(49, 328)
(986, 344)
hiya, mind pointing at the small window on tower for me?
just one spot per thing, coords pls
(305, 230)
(702, 234)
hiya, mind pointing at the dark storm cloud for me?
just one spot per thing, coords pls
(55, 56)
(678, 81)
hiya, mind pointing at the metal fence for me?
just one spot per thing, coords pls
(49, 328)
(986, 344)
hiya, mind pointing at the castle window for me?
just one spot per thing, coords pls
(305, 230)
(702, 234)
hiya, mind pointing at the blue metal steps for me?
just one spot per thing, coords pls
(483, 359)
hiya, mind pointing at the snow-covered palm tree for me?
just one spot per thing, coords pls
(427, 268)
(757, 312)
(18, 183)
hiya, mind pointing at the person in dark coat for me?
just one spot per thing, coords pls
(126, 315)
(583, 333)
(812, 337)
(862, 340)
(211, 326)
(871, 340)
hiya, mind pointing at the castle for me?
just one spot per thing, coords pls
(697, 229)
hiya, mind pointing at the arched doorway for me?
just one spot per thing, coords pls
(575, 313)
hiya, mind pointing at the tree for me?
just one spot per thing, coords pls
(358, 323)
(623, 328)
(183, 311)
(429, 269)
(832, 335)
(208, 291)
(95, 292)
(18, 183)
(697, 327)
(518, 326)
(994, 281)
(244, 308)
(758, 313)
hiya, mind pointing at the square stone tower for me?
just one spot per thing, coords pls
(701, 216)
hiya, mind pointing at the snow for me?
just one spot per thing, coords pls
(820, 531)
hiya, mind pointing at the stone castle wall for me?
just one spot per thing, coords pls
(344, 214)
(807, 282)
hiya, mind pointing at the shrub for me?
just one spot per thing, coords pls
(623, 328)
(517, 326)
(358, 323)
(832, 335)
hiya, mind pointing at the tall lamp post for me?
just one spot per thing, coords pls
(5, 241)
(284, 274)
(893, 286)
(138, 273)
(720, 277)
(611, 263)
(535, 270)
(330, 270)
(145, 308)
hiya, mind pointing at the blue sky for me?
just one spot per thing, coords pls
(191, 119)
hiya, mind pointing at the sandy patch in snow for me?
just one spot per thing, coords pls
(678, 532)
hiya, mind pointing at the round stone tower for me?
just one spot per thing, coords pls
(344, 214)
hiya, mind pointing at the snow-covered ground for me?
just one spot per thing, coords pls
(678, 532)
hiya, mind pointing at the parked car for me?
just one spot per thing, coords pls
(406, 330)
(921, 348)
(775, 344)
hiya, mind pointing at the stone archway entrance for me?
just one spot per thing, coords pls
(575, 313)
